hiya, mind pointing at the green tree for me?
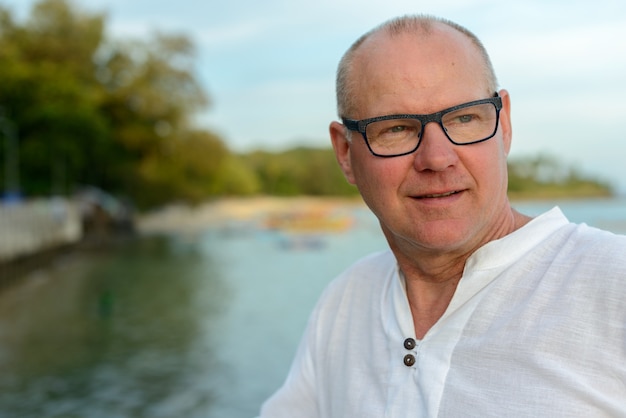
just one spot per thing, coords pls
(544, 175)
(150, 94)
(111, 113)
(186, 168)
(49, 96)
(309, 171)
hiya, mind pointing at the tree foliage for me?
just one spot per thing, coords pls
(94, 110)
(545, 176)
(309, 171)
(49, 95)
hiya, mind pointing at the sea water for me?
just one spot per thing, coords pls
(194, 325)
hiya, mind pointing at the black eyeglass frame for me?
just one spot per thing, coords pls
(361, 125)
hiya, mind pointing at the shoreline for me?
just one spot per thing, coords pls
(181, 218)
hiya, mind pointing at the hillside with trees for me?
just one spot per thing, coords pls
(79, 107)
(544, 176)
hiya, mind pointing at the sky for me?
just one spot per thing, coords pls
(269, 66)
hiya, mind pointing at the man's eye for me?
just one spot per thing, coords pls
(465, 118)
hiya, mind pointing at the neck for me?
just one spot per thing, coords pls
(433, 276)
(430, 291)
(429, 300)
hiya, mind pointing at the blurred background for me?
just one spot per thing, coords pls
(170, 206)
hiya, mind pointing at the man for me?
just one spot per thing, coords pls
(477, 310)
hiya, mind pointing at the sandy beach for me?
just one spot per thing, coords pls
(190, 219)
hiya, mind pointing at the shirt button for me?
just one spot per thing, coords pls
(409, 360)
(409, 343)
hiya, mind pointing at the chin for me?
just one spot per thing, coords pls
(440, 236)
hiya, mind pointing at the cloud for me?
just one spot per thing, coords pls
(581, 51)
(276, 113)
(232, 34)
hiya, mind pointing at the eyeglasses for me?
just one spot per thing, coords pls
(396, 135)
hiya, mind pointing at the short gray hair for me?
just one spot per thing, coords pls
(394, 27)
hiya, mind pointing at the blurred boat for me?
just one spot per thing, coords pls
(307, 221)
(302, 242)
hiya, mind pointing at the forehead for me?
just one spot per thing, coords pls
(442, 67)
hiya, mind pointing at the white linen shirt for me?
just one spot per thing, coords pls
(536, 328)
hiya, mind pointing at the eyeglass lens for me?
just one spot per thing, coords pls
(462, 126)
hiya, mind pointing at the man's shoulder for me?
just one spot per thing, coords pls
(369, 274)
(599, 241)
(374, 266)
(588, 250)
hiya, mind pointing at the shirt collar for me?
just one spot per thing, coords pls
(509, 248)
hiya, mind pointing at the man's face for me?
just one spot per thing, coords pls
(443, 198)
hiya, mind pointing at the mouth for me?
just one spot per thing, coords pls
(438, 195)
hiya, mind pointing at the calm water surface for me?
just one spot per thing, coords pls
(180, 326)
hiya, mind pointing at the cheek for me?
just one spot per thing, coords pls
(374, 177)
(487, 164)
(493, 166)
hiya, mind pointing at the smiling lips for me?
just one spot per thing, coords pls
(438, 195)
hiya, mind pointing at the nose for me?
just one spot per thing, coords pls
(435, 152)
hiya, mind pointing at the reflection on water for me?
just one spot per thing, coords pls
(201, 325)
(115, 334)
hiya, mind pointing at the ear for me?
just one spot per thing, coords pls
(341, 146)
(505, 120)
